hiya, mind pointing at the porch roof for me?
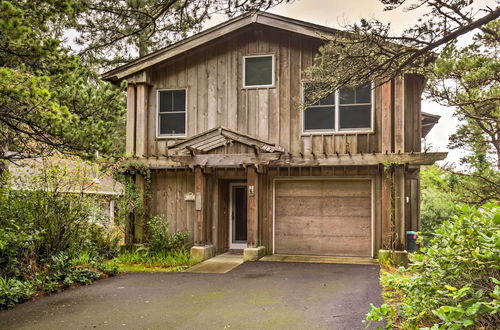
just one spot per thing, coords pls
(277, 159)
(220, 136)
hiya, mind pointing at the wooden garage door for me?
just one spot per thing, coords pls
(323, 217)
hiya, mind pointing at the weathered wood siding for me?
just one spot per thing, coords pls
(212, 75)
(168, 188)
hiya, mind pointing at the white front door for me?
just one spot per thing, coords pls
(237, 216)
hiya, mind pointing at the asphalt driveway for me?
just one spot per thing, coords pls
(257, 295)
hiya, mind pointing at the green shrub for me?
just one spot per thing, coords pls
(13, 291)
(437, 187)
(105, 241)
(160, 239)
(454, 283)
(48, 239)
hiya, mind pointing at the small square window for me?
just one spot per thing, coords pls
(172, 112)
(259, 71)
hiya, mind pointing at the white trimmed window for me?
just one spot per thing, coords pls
(258, 71)
(350, 109)
(172, 112)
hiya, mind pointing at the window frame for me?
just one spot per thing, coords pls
(336, 129)
(273, 69)
(173, 136)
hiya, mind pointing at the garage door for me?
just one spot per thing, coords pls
(323, 217)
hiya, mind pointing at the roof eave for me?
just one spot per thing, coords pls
(277, 21)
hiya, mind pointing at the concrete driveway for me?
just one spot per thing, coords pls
(257, 295)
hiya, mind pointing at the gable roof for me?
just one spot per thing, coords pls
(273, 20)
(428, 122)
(219, 137)
(73, 176)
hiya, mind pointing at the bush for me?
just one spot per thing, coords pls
(160, 239)
(454, 283)
(437, 199)
(48, 239)
(13, 291)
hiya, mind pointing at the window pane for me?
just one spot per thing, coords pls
(355, 116)
(307, 90)
(319, 118)
(328, 100)
(258, 71)
(165, 101)
(347, 95)
(363, 94)
(172, 123)
(179, 100)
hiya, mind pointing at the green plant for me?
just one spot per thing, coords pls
(142, 259)
(454, 283)
(378, 314)
(47, 239)
(438, 199)
(160, 238)
(13, 291)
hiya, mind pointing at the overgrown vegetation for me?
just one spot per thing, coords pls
(50, 239)
(164, 251)
(454, 282)
(438, 199)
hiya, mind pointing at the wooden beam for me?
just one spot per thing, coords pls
(130, 128)
(386, 129)
(141, 129)
(386, 207)
(200, 210)
(399, 114)
(252, 207)
(399, 207)
(274, 160)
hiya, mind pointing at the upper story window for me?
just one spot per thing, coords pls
(350, 109)
(258, 71)
(172, 112)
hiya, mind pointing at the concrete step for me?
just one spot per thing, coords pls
(220, 264)
(320, 259)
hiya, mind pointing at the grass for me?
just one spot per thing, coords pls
(142, 260)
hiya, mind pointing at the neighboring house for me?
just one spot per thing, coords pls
(68, 176)
(238, 164)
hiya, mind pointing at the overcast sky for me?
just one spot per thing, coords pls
(338, 13)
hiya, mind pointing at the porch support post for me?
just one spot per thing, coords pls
(200, 224)
(202, 249)
(141, 128)
(399, 205)
(252, 207)
(130, 140)
(386, 206)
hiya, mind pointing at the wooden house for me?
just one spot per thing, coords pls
(235, 161)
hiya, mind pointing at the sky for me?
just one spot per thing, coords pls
(338, 13)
